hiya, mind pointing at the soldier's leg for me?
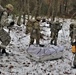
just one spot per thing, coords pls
(37, 38)
(51, 33)
(71, 35)
(4, 44)
(74, 63)
(55, 39)
(0, 52)
(3, 49)
(52, 41)
(26, 30)
(31, 40)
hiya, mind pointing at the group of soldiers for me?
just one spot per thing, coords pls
(33, 27)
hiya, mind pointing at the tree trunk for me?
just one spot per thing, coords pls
(54, 9)
(20, 13)
(49, 10)
(28, 9)
(37, 8)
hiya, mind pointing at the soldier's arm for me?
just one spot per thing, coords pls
(1, 8)
(4, 20)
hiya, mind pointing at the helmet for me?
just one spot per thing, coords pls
(10, 7)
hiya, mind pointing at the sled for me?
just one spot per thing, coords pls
(45, 53)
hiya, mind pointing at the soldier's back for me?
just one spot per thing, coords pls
(28, 26)
(36, 25)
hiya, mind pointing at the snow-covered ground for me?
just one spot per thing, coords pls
(19, 64)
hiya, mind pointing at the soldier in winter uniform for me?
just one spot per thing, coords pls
(4, 36)
(73, 37)
(35, 33)
(55, 27)
(72, 31)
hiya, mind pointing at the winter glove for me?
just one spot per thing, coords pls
(11, 24)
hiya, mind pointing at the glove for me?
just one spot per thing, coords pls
(12, 23)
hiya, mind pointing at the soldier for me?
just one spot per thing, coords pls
(55, 27)
(35, 33)
(71, 32)
(4, 36)
(73, 37)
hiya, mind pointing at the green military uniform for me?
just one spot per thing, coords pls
(55, 27)
(35, 33)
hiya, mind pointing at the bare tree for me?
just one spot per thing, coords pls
(0, 1)
(54, 9)
(49, 10)
(20, 12)
(37, 8)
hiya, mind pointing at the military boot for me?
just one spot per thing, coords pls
(74, 63)
(4, 52)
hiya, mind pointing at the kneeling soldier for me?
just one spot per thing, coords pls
(4, 36)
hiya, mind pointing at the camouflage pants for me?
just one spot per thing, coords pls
(75, 56)
(34, 35)
(4, 38)
(74, 63)
(54, 38)
(71, 35)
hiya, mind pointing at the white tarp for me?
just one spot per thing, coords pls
(45, 53)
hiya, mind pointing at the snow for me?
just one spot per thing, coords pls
(19, 64)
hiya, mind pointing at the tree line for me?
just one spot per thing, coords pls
(49, 8)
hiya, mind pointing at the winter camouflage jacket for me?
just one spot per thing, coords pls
(4, 18)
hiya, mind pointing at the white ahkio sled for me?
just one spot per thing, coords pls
(45, 53)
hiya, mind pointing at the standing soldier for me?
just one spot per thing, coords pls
(73, 37)
(4, 36)
(55, 27)
(35, 33)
